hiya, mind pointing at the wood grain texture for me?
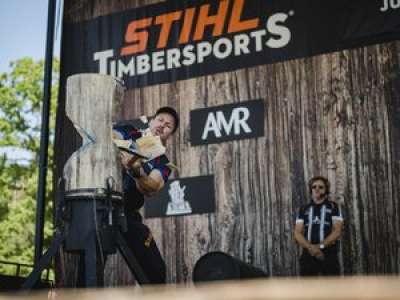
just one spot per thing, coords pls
(336, 115)
(348, 288)
(93, 102)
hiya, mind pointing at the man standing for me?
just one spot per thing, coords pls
(318, 227)
(143, 178)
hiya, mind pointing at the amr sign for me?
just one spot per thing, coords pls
(227, 122)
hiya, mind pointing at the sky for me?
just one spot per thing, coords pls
(23, 28)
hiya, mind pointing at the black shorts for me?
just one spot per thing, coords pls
(311, 266)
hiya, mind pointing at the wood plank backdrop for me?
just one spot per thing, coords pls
(336, 115)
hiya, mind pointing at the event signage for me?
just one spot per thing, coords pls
(227, 122)
(179, 39)
(390, 4)
(183, 196)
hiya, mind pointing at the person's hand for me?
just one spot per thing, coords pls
(320, 255)
(312, 249)
(129, 161)
(136, 168)
(316, 252)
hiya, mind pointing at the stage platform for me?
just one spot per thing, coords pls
(360, 288)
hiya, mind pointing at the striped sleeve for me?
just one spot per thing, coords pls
(160, 164)
(300, 216)
(128, 132)
(337, 214)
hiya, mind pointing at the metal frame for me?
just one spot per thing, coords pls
(44, 133)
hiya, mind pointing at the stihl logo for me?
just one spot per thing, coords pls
(193, 23)
(181, 39)
(390, 4)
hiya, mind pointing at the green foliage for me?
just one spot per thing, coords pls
(21, 97)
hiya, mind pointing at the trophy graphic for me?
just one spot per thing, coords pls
(177, 205)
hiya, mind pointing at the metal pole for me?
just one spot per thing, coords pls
(44, 133)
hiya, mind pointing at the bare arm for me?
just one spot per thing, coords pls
(335, 234)
(299, 237)
(150, 184)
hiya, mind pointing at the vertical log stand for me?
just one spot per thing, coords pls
(91, 190)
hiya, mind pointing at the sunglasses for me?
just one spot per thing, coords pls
(320, 187)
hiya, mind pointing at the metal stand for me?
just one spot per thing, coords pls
(94, 220)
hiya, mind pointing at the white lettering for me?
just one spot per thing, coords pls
(126, 69)
(240, 121)
(216, 123)
(102, 57)
(241, 44)
(385, 6)
(158, 61)
(189, 56)
(390, 4)
(203, 49)
(143, 64)
(227, 44)
(258, 38)
(282, 31)
(227, 126)
(173, 56)
(113, 68)
(275, 35)
(211, 125)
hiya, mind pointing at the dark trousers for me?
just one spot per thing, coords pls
(311, 266)
(141, 242)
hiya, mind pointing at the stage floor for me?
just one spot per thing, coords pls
(332, 288)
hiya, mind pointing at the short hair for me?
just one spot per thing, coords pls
(319, 178)
(169, 110)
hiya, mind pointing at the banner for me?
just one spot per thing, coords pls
(177, 40)
(227, 122)
(183, 196)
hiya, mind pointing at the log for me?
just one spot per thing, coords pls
(92, 105)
